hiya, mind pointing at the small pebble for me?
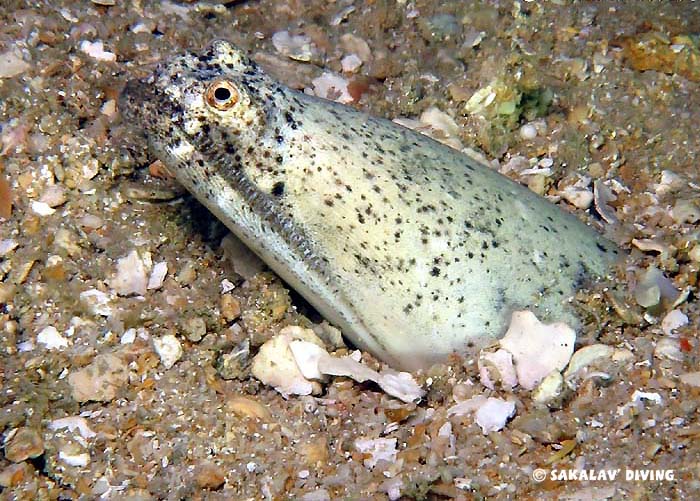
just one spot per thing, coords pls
(11, 64)
(549, 389)
(195, 329)
(101, 380)
(230, 307)
(187, 274)
(168, 349)
(7, 246)
(528, 132)
(209, 476)
(351, 63)
(54, 196)
(24, 444)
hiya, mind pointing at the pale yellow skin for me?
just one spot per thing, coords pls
(413, 249)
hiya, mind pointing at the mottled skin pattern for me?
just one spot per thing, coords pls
(413, 249)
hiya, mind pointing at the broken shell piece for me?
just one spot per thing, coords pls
(160, 270)
(655, 289)
(441, 127)
(291, 360)
(581, 198)
(297, 47)
(375, 450)
(673, 320)
(669, 348)
(549, 389)
(670, 182)
(168, 349)
(497, 367)
(276, 366)
(350, 63)
(492, 414)
(51, 338)
(537, 348)
(602, 195)
(73, 423)
(307, 355)
(131, 276)
(647, 244)
(397, 384)
(333, 87)
(586, 356)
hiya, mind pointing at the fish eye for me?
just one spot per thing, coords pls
(221, 95)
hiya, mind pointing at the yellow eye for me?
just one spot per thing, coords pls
(221, 95)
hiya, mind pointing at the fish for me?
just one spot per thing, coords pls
(413, 249)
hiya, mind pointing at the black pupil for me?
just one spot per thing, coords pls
(222, 94)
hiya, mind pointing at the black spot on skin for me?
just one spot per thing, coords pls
(435, 271)
(278, 189)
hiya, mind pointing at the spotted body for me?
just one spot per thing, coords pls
(413, 249)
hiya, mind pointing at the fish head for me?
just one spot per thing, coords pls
(208, 102)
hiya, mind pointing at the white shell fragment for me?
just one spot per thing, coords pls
(397, 384)
(492, 414)
(7, 246)
(579, 194)
(674, 319)
(537, 348)
(670, 182)
(669, 348)
(51, 338)
(586, 356)
(297, 47)
(73, 423)
(96, 50)
(42, 209)
(81, 459)
(97, 302)
(131, 276)
(351, 63)
(294, 362)
(333, 87)
(160, 270)
(168, 349)
(375, 450)
(307, 355)
(495, 367)
(275, 365)
(549, 389)
(653, 397)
